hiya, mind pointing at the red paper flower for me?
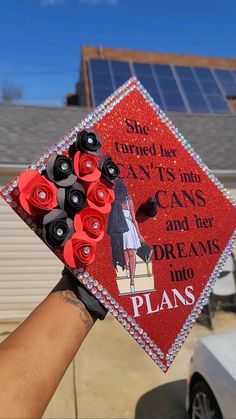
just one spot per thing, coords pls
(85, 167)
(100, 196)
(92, 222)
(36, 193)
(79, 250)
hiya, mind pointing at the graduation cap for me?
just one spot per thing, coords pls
(122, 190)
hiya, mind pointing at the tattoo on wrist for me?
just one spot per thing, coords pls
(85, 316)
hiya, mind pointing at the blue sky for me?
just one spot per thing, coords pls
(40, 40)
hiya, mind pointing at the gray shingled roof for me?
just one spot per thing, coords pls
(27, 131)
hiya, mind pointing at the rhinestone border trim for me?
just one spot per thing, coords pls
(164, 361)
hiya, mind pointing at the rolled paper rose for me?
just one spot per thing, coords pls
(110, 171)
(88, 142)
(85, 166)
(92, 222)
(36, 193)
(100, 196)
(59, 169)
(72, 199)
(57, 228)
(79, 250)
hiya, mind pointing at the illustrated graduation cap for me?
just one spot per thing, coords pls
(171, 213)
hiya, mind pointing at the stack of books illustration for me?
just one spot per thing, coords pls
(144, 279)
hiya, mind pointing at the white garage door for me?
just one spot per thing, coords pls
(28, 269)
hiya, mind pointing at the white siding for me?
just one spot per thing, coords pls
(28, 269)
(233, 193)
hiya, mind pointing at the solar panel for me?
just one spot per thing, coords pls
(184, 72)
(190, 86)
(229, 89)
(199, 88)
(148, 82)
(169, 90)
(203, 73)
(121, 67)
(162, 70)
(211, 90)
(197, 103)
(227, 82)
(224, 75)
(210, 87)
(119, 79)
(102, 80)
(218, 104)
(155, 95)
(100, 95)
(99, 66)
(174, 102)
(142, 69)
(168, 86)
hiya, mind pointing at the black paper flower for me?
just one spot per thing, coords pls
(73, 199)
(59, 170)
(110, 171)
(88, 142)
(57, 228)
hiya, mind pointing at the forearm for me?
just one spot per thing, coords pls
(33, 363)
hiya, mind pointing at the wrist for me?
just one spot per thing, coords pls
(65, 291)
(73, 290)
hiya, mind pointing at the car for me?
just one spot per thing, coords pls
(211, 384)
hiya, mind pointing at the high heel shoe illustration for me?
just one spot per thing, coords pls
(132, 288)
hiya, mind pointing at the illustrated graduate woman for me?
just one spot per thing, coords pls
(124, 232)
